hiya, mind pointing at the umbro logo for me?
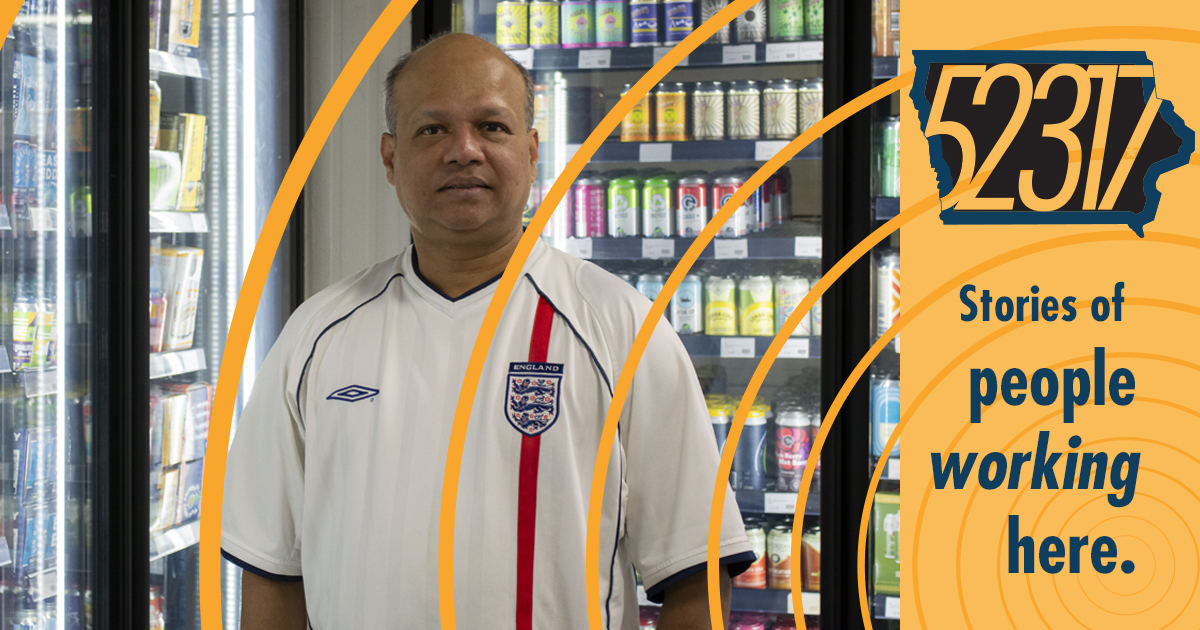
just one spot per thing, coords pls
(353, 393)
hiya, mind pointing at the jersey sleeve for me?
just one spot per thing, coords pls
(672, 466)
(264, 474)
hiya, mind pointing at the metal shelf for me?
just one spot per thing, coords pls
(776, 601)
(164, 364)
(739, 347)
(615, 151)
(174, 540)
(628, 58)
(776, 502)
(886, 208)
(752, 248)
(886, 67)
(162, 221)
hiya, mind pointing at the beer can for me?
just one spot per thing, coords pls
(686, 313)
(610, 24)
(889, 157)
(650, 285)
(756, 575)
(779, 109)
(793, 441)
(645, 16)
(751, 25)
(742, 104)
(155, 113)
(756, 316)
(629, 279)
(887, 292)
(591, 207)
(892, 40)
(657, 207)
(679, 20)
(738, 224)
(636, 125)
(720, 307)
(779, 556)
(749, 460)
(783, 195)
(512, 24)
(814, 19)
(578, 24)
(27, 619)
(692, 214)
(789, 292)
(810, 556)
(623, 206)
(885, 413)
(709, 8)
(720, 415)
(708, 111)
(543, 24)
(810, 97)
(786, 20)
(816, 316)
(670, 107)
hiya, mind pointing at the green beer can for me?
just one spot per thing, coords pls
(814, 19)
(786, 21)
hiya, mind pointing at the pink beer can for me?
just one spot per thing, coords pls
(590, 195)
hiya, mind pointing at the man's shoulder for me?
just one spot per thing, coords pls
(582, 284)
(341, 297)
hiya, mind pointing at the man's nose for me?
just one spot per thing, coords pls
(465, 146)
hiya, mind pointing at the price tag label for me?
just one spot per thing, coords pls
(893, 468)
(571, 150)
(808, 247)
(157, 62)
(4, 224)
(655, 152)
(811, 603)
(779, 502)
(738, 54)
(580, 247)
(44, 219)
(595, 59)
(783, 53)
(171, 63)
(737, 348)
(766, 149)
(891, 608)
(191, 67)
(658, 248)
(523, 56)
(5, 365)
(811, 51)
(794, 349)
(730, 248)
(5, 554)
(661, 51)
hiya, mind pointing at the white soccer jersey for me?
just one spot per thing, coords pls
(335, 473)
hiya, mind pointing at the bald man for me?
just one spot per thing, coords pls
(334, 483)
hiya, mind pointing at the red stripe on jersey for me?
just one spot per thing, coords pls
(527, 490)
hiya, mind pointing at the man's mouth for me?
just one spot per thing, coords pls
(464, 185)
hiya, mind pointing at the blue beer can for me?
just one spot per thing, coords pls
(679, 20)
(645, 16)
(750, 459)
(885, 414)
(650, 285)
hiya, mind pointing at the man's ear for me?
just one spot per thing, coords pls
(387, 151)
(534, 143)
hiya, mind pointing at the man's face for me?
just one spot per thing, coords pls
(462, 159)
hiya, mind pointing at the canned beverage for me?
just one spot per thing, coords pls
(783, 197)
(648, 618)
(541, 112)
(786, 20)
(756, 575)
(686, 314)
(578, 24)
(885, 34)
(679, 20)
(889, 158)
(814, 19)
(756, 317)
(591, 208)
(742, 103)
(27, 619)
(749, 460)
(810, 556)
(657, 208)
(779, 109)
(793, 441)
(816, 316)
(512, 24)
(738, 224)
(720, 415)
(779, 556)
(752, 24)
(720, 310)
(629, 279)
(885, 414)
(709, 8)
(789, 292)
(636, 125)
(650, 285)
(610, 24)
(887, 292)
(810, 102)
(708, 111)
(623, 207)
(543, 24)
(693, 206)
(155, 112)
(670, 106)
(644, 15)
(748, 622)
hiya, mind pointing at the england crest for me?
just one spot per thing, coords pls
(531, 398)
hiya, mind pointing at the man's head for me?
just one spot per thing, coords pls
(460, 148)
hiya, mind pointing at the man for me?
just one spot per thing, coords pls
(334, 481)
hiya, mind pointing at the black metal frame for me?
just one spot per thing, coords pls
(120, 283)
(299, 126)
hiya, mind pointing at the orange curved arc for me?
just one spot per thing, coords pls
(252, 287)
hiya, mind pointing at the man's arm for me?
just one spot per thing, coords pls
(272, 605)
(685, 603)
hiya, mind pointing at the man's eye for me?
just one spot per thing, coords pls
(429, 131)
(495, 127)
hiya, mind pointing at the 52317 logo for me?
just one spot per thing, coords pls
(1047, 137)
